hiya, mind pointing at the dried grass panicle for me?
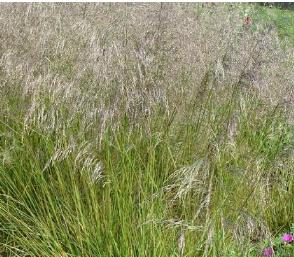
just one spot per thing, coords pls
(248, 227)
(188, 179)
(131, 55)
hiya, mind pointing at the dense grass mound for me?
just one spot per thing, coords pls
(143, 130)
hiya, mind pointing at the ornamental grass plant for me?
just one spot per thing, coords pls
(132, 130)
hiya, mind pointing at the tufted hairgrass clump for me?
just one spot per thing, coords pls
(131, 130)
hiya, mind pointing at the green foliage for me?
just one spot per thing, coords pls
(51, 206)
(282, 19)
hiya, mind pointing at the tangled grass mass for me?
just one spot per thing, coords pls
(146, 130)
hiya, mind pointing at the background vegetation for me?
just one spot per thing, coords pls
(145, 129)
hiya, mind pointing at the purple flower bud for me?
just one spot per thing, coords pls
(288, 238)
(269, 251)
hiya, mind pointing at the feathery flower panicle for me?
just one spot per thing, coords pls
(181, 244)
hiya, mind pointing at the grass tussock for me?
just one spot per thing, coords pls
(143, 130)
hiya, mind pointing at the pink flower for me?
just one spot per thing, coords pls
(269, 251)
(287, 238)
